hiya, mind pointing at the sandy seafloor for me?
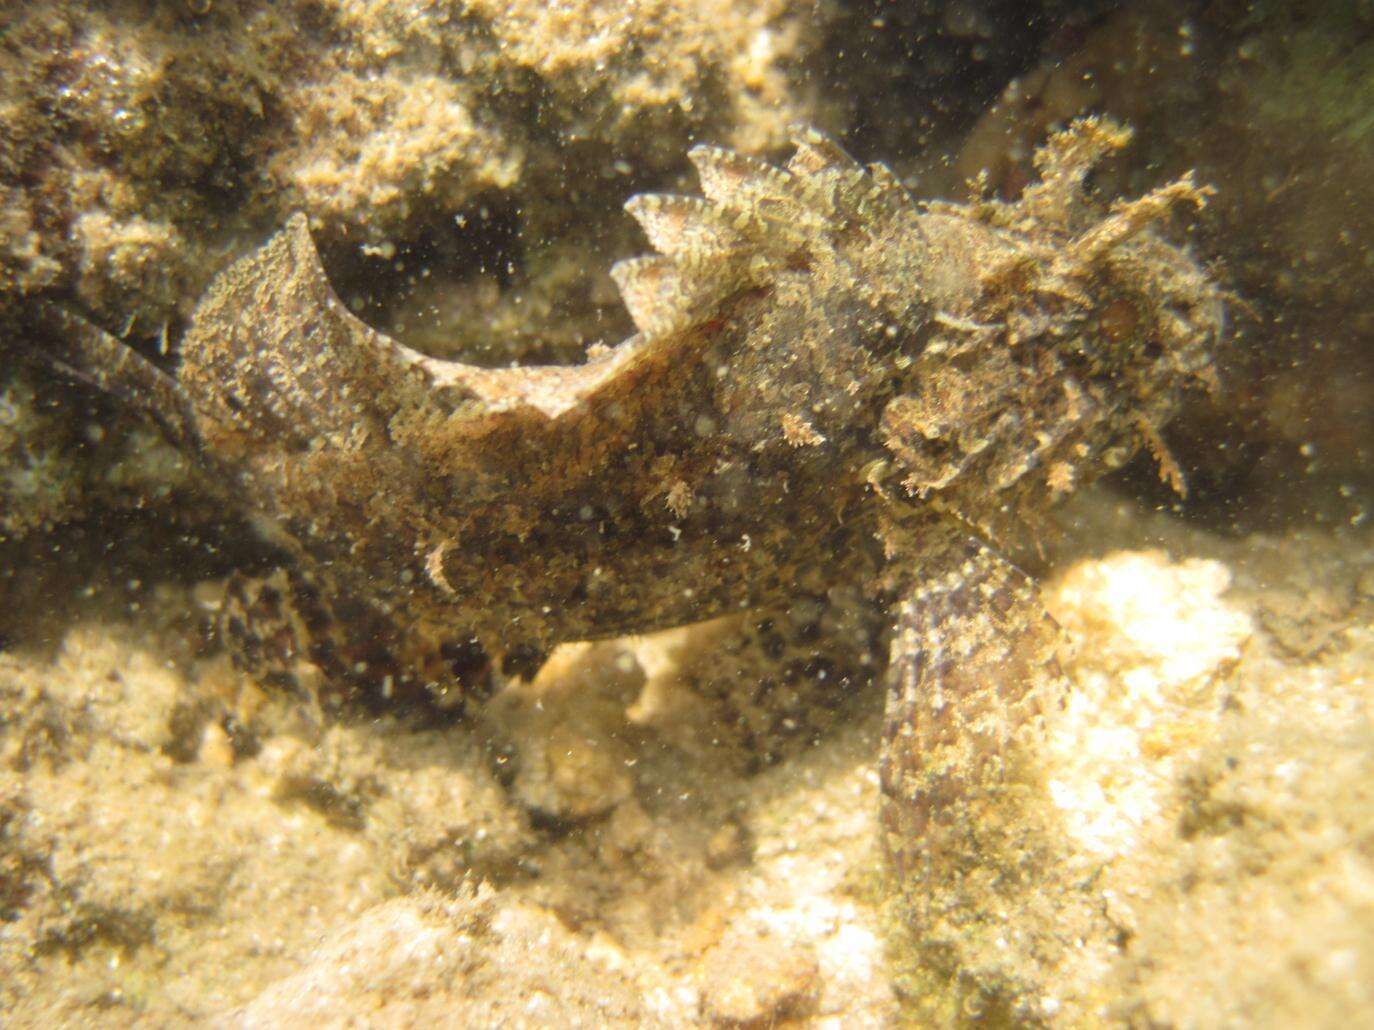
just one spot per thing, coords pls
(1212, 768)
(179, 846)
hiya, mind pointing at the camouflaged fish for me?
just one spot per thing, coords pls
(827, 377)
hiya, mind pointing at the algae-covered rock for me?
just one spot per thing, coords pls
(675, 829)
(1200, 786)
(147, 145)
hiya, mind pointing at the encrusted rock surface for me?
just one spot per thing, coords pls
(176, 845)
(665, 830)
(439, 152)
(459, 165)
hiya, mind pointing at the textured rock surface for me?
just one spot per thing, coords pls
(440, 153)
(656, 814)
(460, 165)
(176, 845)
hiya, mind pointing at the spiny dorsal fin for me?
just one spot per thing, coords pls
(756, 219)
(683, 227)
(757, 198)
(886, 196)
(817, 152)
(727, 177)
(659, 297)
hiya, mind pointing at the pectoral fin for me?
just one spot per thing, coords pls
(973, 667)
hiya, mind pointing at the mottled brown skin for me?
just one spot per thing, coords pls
(823, 367)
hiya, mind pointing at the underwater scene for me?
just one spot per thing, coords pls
(686, 513)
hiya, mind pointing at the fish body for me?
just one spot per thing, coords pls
(829, 382)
